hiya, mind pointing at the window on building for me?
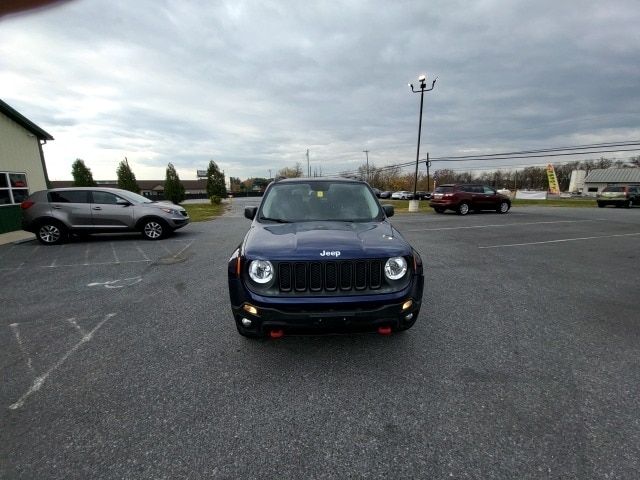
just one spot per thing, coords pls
(592, 189)
(13, 188)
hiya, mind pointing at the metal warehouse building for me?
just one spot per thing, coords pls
(22, 167)
(597, 180)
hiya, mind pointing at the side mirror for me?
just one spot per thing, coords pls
(122, 202)
(250, 212)
(388, 210)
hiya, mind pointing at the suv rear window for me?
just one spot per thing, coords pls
(443, 190)
(614, 189)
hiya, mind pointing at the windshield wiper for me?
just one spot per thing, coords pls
(277, 220)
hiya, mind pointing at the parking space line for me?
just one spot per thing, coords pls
(144, 255)
(503, 225)
(178, 254)
(39, 381)
(561, 240)
(73, 323)
(165, 248)
(114, 252)
(86, 255)
(55, 260)
(16, 332)
(93, 264)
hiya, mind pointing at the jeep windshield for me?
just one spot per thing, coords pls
(320, 201)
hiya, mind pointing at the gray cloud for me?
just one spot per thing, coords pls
(254, 84)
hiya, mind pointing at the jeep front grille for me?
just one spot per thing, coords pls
(317, 277)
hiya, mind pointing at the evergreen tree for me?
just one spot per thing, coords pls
(126, 178)
(173, 188)
(82, 176)
(215, 181)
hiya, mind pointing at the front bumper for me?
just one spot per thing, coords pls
(178, 222)
(342, 314)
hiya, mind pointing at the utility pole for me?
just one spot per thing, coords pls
(308, 165)
(270, 177)
(367, 152)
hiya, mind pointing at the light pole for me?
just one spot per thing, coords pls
(423, 88)
(367, 152)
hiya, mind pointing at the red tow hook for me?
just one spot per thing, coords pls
(276, 333)
(384, 330)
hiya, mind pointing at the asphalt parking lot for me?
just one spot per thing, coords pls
(119, 359)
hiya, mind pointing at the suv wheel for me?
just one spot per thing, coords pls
(154, 229)
(51, 233)
(503, 207)
(463, 208)
(600, 205)
(628, 204)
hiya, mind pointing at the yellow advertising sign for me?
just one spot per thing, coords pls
(554, 187)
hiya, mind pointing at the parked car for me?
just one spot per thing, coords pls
(420, 195)
(385, 194)
(54, 214)
(321, 256)
(376, 192)
(402, 195)
(619, 195)
(463, 198)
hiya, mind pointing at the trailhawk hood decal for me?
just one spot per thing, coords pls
(324, 241)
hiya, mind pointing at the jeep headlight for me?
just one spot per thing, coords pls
(261, 271)
(395, 268)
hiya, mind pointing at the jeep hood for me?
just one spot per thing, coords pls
(337, 240)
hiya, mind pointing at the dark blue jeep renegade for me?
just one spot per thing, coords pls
(320, 256)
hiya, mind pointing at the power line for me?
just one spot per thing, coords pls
(588, 149)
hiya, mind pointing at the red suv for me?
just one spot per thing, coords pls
(465, 197)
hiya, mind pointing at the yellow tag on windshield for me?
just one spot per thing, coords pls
(320, 193)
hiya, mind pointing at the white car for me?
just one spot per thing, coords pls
(402, 195)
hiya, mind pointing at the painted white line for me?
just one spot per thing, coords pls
(114, 252)
(73, 322)
(86, 255)
(16, 332)
(39, 381)
(561, 240)
(93, 264)
(126, 282)
(178, 254)
(165, 248)
(144, 255)
(500, 225)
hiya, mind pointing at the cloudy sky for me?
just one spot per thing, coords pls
(253, 85)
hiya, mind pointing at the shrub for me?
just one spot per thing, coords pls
(215, 200)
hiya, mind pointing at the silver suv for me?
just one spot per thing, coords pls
(53, 214)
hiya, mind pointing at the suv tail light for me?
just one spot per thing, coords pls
(27, 204)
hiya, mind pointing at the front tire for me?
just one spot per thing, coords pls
(154, 229)
(463, 208)
(503, 207)
(628, 204)
(600, 205)
(51, 232)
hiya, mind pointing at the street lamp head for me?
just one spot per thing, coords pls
(410, 85)
(422, 78)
